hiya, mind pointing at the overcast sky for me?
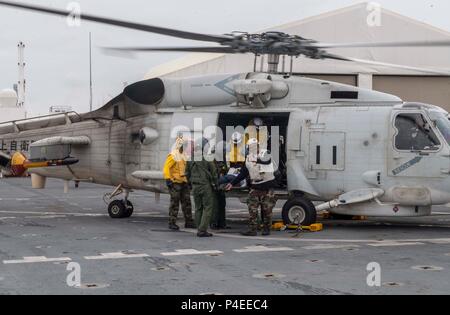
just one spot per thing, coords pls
(57, 55)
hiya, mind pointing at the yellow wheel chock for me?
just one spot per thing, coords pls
(316, 227)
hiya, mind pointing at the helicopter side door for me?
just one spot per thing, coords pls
(415, 147)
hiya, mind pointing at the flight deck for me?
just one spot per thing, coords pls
(45, 233)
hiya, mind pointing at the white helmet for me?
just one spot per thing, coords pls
(236, 138)
(257, 122)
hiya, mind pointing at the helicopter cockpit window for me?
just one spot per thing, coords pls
(443, 124)
(415, 133)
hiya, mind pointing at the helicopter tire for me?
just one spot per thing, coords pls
(129, 209)
(117, 209)
(299, 210)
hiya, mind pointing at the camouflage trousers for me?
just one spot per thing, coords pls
(266, 200)
(180, 193)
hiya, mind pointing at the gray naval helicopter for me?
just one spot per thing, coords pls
(349, 150)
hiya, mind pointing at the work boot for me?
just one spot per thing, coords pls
(266, 232)
(173, 227)
(204, 234)
(190, 225)
(249, 233)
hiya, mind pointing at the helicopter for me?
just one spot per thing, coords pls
(340, 148)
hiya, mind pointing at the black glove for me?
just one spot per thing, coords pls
(169, 183)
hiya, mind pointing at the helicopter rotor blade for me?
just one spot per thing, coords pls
(403, 67)
(384, 64)
(334, 57)
(433, 43)
(218, 49)
(125, 24)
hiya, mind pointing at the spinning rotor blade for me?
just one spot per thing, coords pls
(275, 43)
(384, 64)
(334, 57)
(223, 50)
(129, 25)
(432, 43)
(391, 65)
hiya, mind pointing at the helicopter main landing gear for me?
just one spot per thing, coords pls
(119, 208)
(299, 210)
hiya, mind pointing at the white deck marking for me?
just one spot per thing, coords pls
(43, 213)
(186, 252)
(319, 240)
(260, 249)
(36, 259)
(119, 255)
(331, 246)
(7, 218)
(392, 244)
(46, 217)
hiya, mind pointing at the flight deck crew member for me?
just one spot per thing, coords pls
(235, 158)
(258, 129)
(260, 169)
(174, 174)
(219, 220)
(236, 154)
(203, 177)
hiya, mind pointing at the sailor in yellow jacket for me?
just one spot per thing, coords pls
(174, 174)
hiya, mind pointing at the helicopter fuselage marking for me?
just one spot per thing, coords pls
(223, 84)
(407, 165)
(14, 145)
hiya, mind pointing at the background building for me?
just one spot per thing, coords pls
(9, 109)
(350, 25)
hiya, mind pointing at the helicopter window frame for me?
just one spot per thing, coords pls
(426, 119)
(442, 123)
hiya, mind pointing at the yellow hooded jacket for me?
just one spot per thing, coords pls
(175, 166)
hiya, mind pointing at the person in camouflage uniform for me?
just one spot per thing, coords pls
(174, 174)
(219, 220)
(202, 175)
(267, 201)
(260, 170)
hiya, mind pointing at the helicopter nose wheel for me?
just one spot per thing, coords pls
(119, 209)
(299, 210)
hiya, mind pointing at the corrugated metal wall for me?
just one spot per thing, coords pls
(431, 90)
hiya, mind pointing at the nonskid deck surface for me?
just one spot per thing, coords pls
(43, 231)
